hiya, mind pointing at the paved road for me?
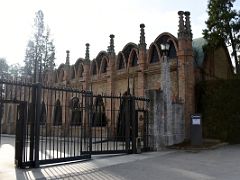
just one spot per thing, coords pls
(220, 164)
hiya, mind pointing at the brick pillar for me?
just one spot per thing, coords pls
(110, 75)
(86, 72)
(142, 62)
(86, 76)
(111, 66)
(110, 86)
(67, 69)
(186, 69)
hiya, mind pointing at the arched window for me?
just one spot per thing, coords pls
(134, 60)
(43, 116)
(172, 51)
(81, 70)
(55, 77)
(154, 56)
(99, 117)
(57, 116)
(72, 73)
(61, 75)
(76, 118)
(120, 62)
(126, 105)
(104, 66)
(94, 68)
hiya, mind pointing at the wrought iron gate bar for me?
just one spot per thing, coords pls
(67, 124)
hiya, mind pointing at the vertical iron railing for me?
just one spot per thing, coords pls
(52, 129)
(119, 134)
(66, 131)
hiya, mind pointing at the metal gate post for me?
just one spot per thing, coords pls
(32, 122)
(1, 110)
(20, 134)
(133, 119)
(127, 123)
(90, 116)
(1, 116)
(37, 122)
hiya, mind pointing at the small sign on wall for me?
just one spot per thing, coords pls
(196, 119)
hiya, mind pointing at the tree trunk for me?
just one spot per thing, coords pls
(234, 51)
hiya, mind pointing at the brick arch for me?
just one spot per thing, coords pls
(168, 38)
(133, 54)
(127, 50)
(121, 61)
(153, 47)
(99, 58)
(79, 67)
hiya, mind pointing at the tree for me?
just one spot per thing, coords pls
(3, 71)
(40, 51)
(49, 56)
(223, 26)
(15, 70)
(3, 66)
(28, 69)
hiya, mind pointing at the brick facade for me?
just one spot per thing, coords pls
(139, 68)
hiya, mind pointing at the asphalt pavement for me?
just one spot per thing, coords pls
(222, 163)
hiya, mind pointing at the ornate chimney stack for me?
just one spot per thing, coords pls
(87, 56)
(111, 50)
(188, 25)
(186, 80)
(181, 27)
(67, 58)
(142, 43)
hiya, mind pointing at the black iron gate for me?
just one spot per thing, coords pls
(59, 124)
(52, 123)
(117, 124)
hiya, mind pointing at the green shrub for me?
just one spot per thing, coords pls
(219, 103)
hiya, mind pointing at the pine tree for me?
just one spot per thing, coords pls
(3, 66)
(223, 26)
(40, 51)
(15, 70)
(49, 56)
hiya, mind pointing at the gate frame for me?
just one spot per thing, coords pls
(34, 132)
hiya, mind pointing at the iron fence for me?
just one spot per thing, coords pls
(59, 124)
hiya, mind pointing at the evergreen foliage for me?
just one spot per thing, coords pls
(219, 104)
(3, 66)
(40, 51)
(223, 26)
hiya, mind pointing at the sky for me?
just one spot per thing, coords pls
(73, 23)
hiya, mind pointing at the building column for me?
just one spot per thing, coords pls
(186, 74)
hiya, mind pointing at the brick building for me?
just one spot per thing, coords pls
(139, 68)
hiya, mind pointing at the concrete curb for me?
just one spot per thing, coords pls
(200, 148)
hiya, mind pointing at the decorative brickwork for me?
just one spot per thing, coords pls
(140, 69)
